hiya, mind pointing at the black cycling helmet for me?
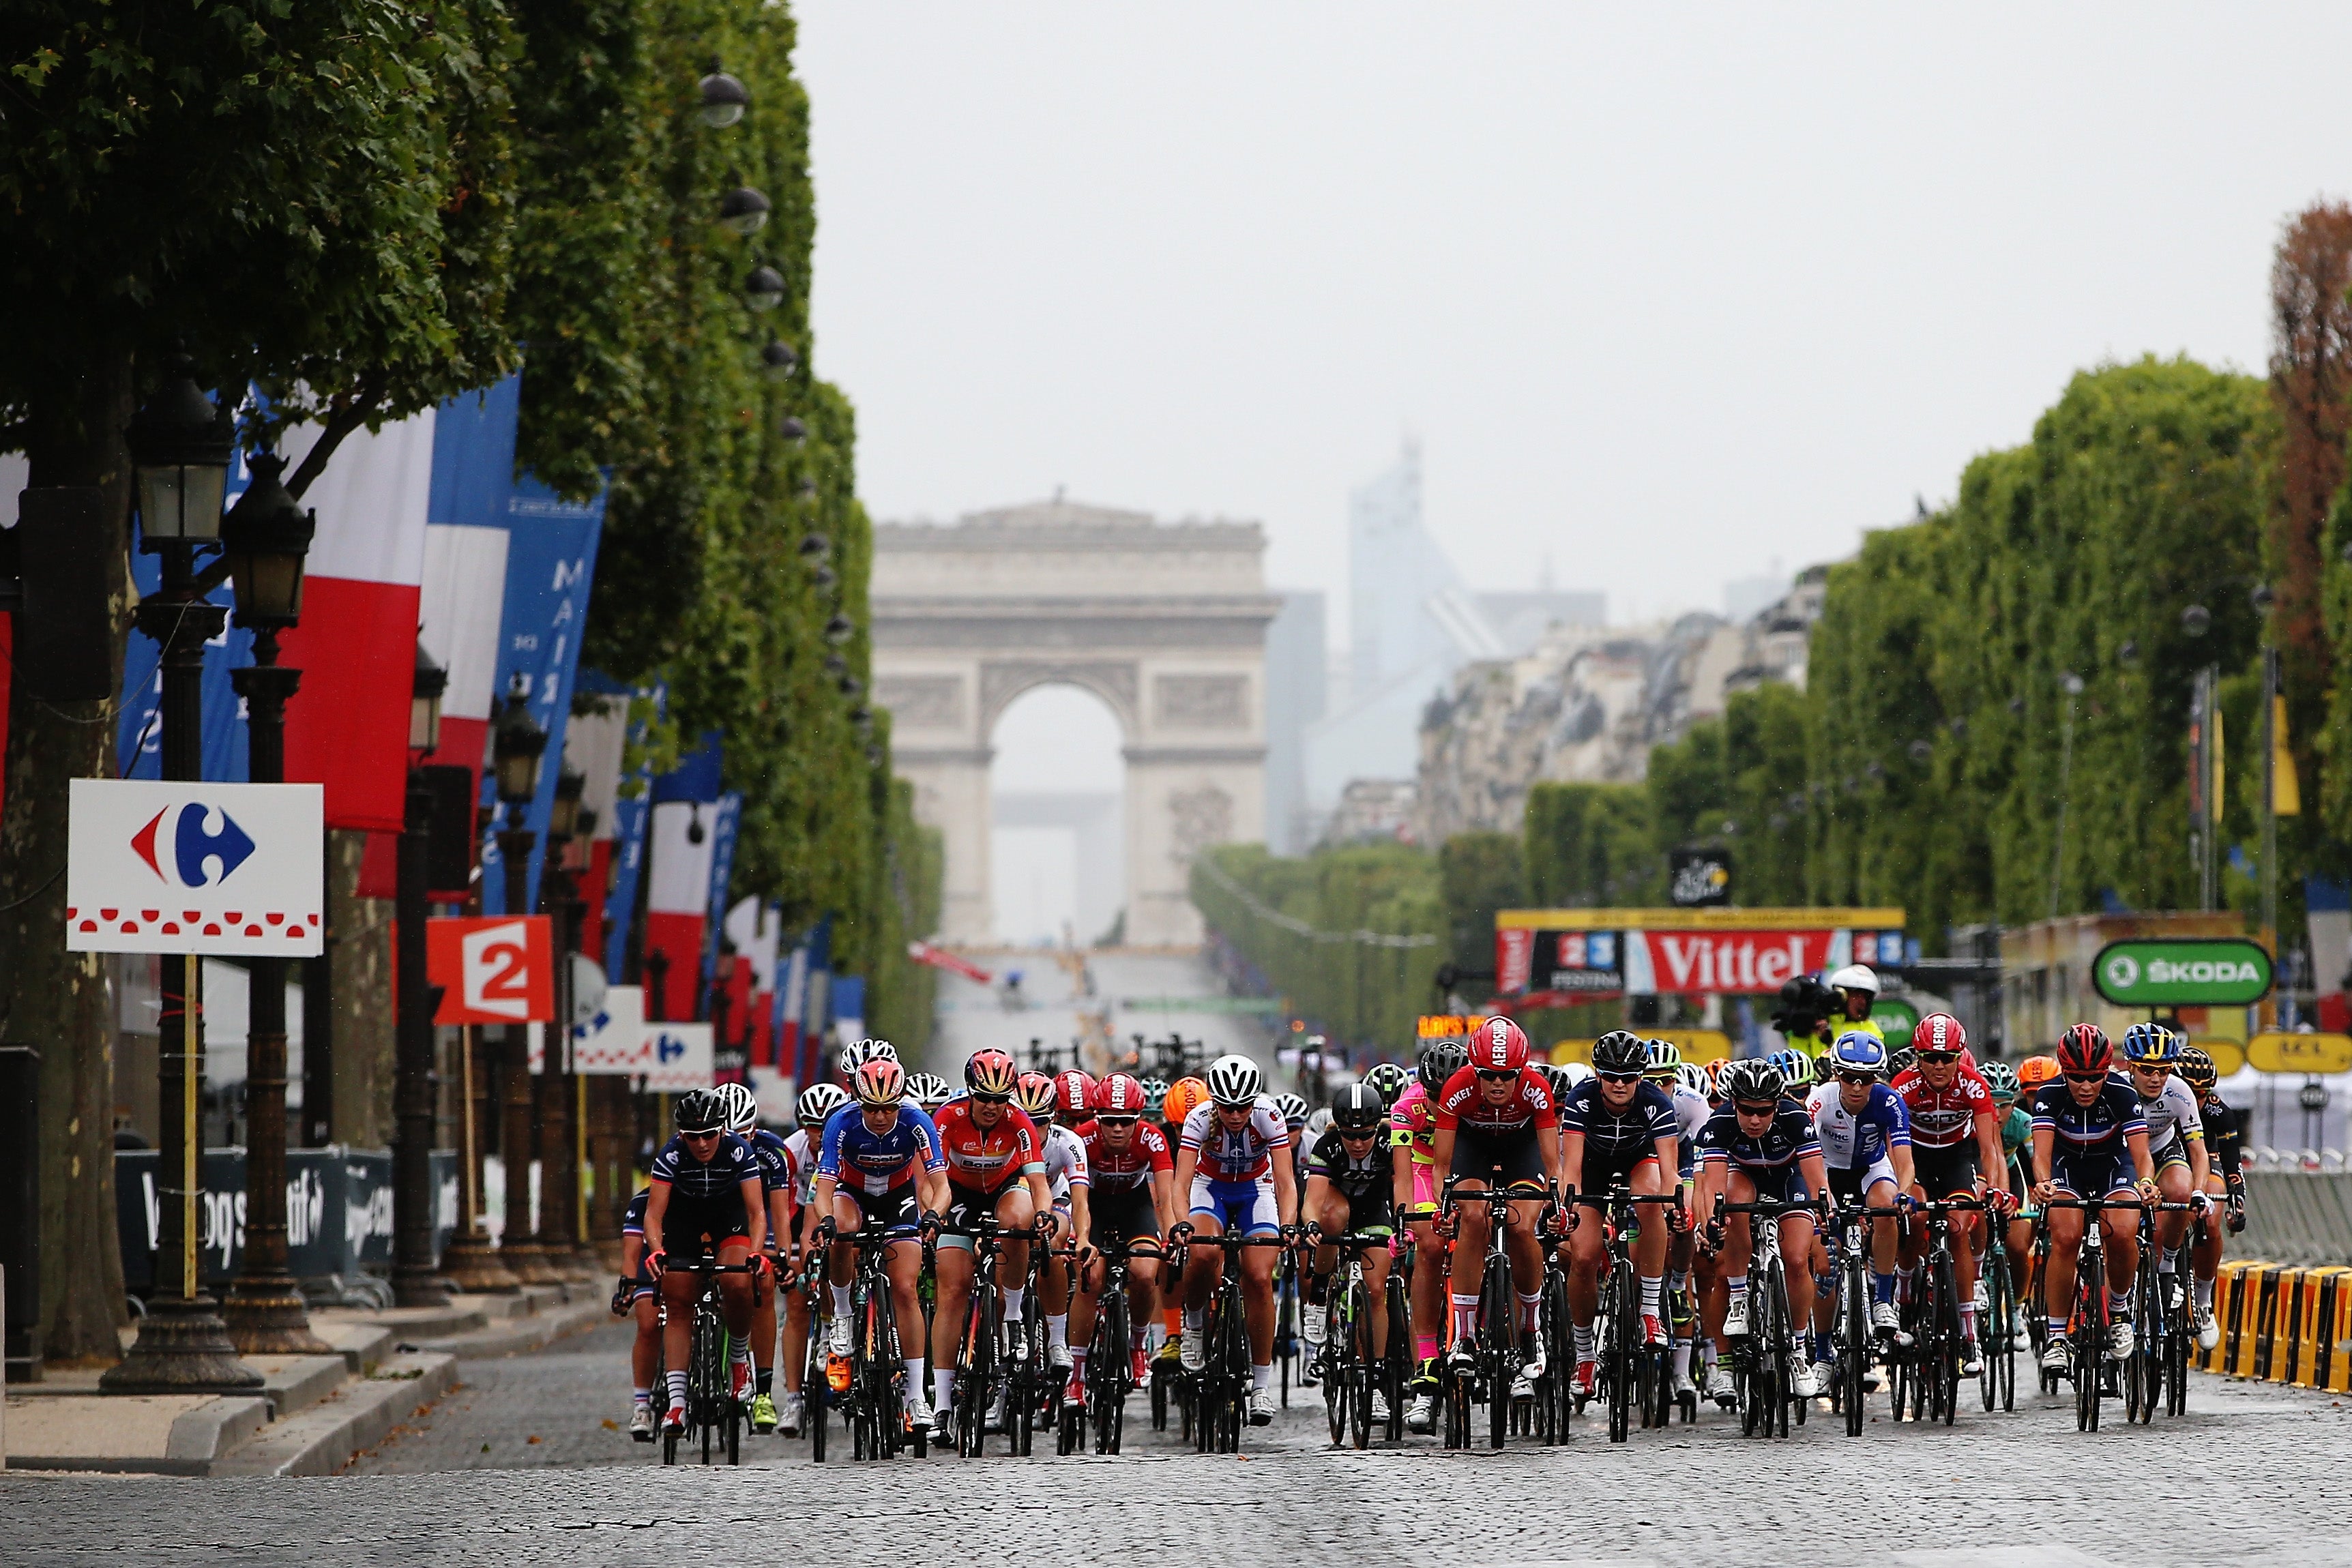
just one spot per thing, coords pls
(1620, 1053)
(1441, 1059)
(1752, 1078)
(1357, 1108)
(2197, 1068)
(700, 1111)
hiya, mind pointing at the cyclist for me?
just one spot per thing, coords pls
(1351, 1186)
(879, 1164)
(1067, 1180)
(817, 1104)
(706, 1196)
(2176, 1139)
(1688, 1086)
(1155, 1095)
(995, 1164)
(1761, 1145)
(776, 1174)
(1073, 1094)
(1496, 1121)
(1233, 1163)
(2035, 1073)
(1132, 1184)
(2016, 1141)
(2090, 1140)
(1388, 1079)
(1616, 1128)
(634, 1296)
(1175, 1106)
(1293, 1110)
(928, 1091)
(1866, 1133)
(1413, 1127)
(2224, 1179)
(1954, 1153)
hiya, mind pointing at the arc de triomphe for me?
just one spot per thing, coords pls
(1164, 622)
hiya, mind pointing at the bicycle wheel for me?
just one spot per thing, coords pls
(1234, 1366)
(1776, 1313)
(1553, 1322)
(813, 1408)
(1625, 1328)
(1494, 1357)
(1337, 1331)
(709, 1361)
(1286, 1331)
(1363, 1366)
(973, 1391)
(1853, 1344)
(2087, 1336)
(1397, 1359)
(1946, 1392)
(2180, 1333)
(1996, 1341)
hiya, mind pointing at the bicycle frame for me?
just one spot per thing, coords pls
(1497, 1356)
(1626, 1359)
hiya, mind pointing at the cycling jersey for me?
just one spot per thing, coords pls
(1372, 1175)
(2221, 1133)
(775, 1164)
(2091, 1153)
(1129, 1170)
(1233, 1156)
(1413, 1122)
(877, 1161)
(1860, 1140)
(2172, 1116)
(1066, 1160)
(988, 1159)
(1944, 1118)
(633, 1219)
(1461, 1105)
(2016, 1129)
(801, 1149)
(1769, 1159)
(731, 1164)
(1616, 1141)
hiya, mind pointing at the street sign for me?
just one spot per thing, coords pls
(614, 1041)
(684, 1057)
(1699, 1045)
(1896, 1019)
(2300, 1052)
(492, 968)
(2229, 1056)
(2182, 971)
(167, 867)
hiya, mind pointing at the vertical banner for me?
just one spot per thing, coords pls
(815, 1002)
(678, 899)
(632, 813)
(791, 992)
(722, 871)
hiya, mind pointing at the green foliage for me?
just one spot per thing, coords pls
(1591, 845)
(1478, 873)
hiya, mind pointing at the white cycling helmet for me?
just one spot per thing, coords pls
(881, 1051)
(818, 1102)
(1854, 977)
(855, 1055)
(743, 1106)
(1235, 1080)
(1690, 1075)
(1574, 1074)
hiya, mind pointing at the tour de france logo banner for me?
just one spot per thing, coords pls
(168, 867)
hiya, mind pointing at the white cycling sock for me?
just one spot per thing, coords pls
(943, 1387)
(2203, 1291)
(1014, 1299)
(643, 1395)
(1649, 1291)
(1193, 1318)
(1682, 1358)
(1262, 1376)
(677, 1388)
(841, 1302)
(739, 1351)
(1079, 1354)
(1155, 1335)
(1057, 1330)
(913, 1366)
(1528, 1305)
(1584, 1341)
(1969, 1320)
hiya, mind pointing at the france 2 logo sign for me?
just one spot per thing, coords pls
(164, 867)
(492, 968)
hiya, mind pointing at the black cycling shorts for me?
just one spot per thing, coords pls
(965, 1205)
(1604, 1168)
(1946, 1171)
(1477, 1155)
(897, 1211)
(1124, 1215)
(695, 1225)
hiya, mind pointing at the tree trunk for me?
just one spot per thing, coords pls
(55, 1002)
(361, 1054)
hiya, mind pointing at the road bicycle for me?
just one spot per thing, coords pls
(1928, 1372)
(985, 1375)
(1764, 1359)
(2165, 1332)
(1850, 1332)
(817, 1397)
(1216, 1395)
(2087, 1325)
(714, 1417)
(873, 1407)
(1495, 1360)
(1110, 1371)
(1996, 1324)
(1632, 1374)
(1352, 1368)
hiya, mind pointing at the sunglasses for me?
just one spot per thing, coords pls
(1939, 1058)
(2086, 1078)
(699, 1137)
(1496, 1075)
(1619, 1077)
(1757, 1109)
(1858, 1080)
(1358, 1136)
(1110, 1123)
(992, 1099)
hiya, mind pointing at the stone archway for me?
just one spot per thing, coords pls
(1164, 622)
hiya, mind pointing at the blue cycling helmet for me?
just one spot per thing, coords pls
(1796, 1067)
(2151, 1045)
(1858, 1051)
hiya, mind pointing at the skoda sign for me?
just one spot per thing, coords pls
(2182, 971)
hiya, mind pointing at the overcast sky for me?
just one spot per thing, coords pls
(1668, 293)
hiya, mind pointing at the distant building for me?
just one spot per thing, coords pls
(1371, 810)
(1297, 687)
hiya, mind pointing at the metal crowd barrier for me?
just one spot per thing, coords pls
(2298, 1207)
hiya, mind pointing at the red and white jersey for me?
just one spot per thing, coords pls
(1231, 1154)
(987, 1159)
(1129, 1169)
(1460, 1105)
(1945, 1118)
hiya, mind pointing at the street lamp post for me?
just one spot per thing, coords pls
(179, 450)
(415, 1282)
(515, 744)
(265, 537)
(559, 1205)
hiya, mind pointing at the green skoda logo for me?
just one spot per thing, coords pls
(2186, 971)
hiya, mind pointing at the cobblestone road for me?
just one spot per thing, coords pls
(2253, 1478)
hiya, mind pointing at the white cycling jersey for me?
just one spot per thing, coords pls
(2172, 1114)
(1066, 1160)
(802, 1149)
(1691, 1112)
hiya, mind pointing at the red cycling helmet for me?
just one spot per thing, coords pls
(879, 1082)
(1119, 1096)
(1939, 1032)
(1073, 1092)
(1498, 1045)
(990, 1075)
(1033, 1093)
(2083, 1050)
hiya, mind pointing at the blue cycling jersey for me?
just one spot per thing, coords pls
(877, 1161)
(776, 1164)
(1857, 1140)
(1785, 1140)
(1619, 1135)
(2102, 1126)
(732, 1164)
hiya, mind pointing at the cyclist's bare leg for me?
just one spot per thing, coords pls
(2173, 1183)
(1650, 1246)
(951, 1297)
(2123, 1244)
(1332, 1218)
(2205, 1252)
(2058, 1273)
(1376, 1286)
(1204, 1266)
(735, 1290)
(1428, 1290)
(1731, 1262)
(1053, 1280)
(678, 1288)
(903, 1263)
(646, 1348)
(1014, 1212)
(1797, 1260)
(1470, 1236)
(1587, 1246)
(795, 1348)
(763, 1321)
(1257, 1301)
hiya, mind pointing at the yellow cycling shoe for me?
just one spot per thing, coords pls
(763, 1413)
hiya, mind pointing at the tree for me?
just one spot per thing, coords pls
(314, 197)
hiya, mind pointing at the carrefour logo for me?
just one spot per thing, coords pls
(201, 854)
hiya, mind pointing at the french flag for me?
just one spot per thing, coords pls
(678, 899)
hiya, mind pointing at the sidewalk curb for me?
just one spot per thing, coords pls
(522, 1334)
(321, 1441)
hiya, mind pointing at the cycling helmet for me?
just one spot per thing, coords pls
(884, 1049)
(1855, 978)
(1665, 1060)
(1823, 1068)
(1498, 1046)
(1619, 1052)
(1939, 1032)
(1316, 1125)
(881, 1081)
(2083, 1050)
(990, 1075)
(1183, 1099)
(1900, 1061)
(1119, 1096)
(2036, 1070)
(1388, 1079)
(1568, 1075)
(1441, 1059)
(1073, 1092)
(1693, 1077)
(1857, 1050)
(1293, 1107)
(742, 1105)
(1155, 1093)
(1235, 1080)
(700, 1111)
(2000, 1078)
(1753, 1079)
(1794, 1067)
(817, 1104)
(2197, 1069)
(1033, 1093)
(929, 1089)
(854, 1055)
(2150, 1045)
(1357, 1108)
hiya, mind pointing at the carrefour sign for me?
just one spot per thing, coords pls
(166, 867)
(2182, 971)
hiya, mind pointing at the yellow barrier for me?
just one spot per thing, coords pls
(2282, 1324)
